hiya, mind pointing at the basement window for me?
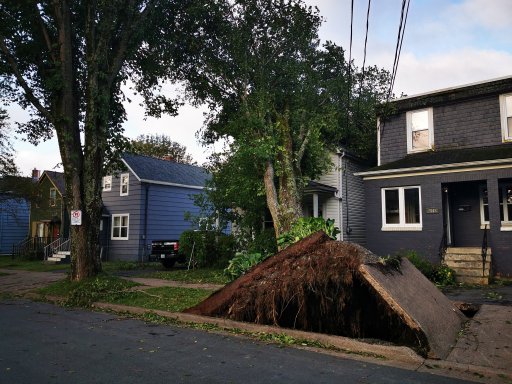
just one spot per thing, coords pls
(120, 226)
(506, 116)
(401, 209)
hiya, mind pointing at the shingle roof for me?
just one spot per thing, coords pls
(150, 169)
(450, 156)
(58, 180)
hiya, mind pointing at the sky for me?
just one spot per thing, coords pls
(446, 43)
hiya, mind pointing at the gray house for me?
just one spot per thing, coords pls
(339, 195)
(147, 202)
(443, 184)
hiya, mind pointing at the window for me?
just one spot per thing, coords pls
(120, 225)
(420, 130)
(401, 209)
(506, 206)
(125, 177)
(484, 207)
(107, 183)
(53, 197)
(506, 116)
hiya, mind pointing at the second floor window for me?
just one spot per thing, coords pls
(107, 183)
(53, 197)
(420, 130)
(506, 116)
(125, 178)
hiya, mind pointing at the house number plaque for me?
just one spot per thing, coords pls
(432, 210)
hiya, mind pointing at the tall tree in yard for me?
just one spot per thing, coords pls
(65, 61)
(161, 146)
(276, 94)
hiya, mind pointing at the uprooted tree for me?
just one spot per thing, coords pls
(281, 100)
(66, 61)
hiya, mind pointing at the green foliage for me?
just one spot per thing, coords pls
(88, 291)
(241, 263)
(393, 262)
(306, 226)
(208, 248)
(7, 165)
(264, 242)
(160, 146)
(440, 275)
(199, 275)
(30, 265)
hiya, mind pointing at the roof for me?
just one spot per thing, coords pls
(157, 171)
(57, 178)
(441, 159)
(453, 94)
(316, 187)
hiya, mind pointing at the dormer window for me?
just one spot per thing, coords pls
(506, 116)
(420, 130)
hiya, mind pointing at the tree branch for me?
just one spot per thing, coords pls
(29, 94)
(44, 31)
(302, 149)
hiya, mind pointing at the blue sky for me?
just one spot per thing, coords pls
(447, 43)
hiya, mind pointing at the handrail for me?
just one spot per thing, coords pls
(61, 244)
(484, 250)
(443, 245)
(31, 244)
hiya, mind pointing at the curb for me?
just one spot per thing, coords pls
(395, 356)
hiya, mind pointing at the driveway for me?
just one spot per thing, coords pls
(15, 281)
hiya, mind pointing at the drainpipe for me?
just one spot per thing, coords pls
(146, 203)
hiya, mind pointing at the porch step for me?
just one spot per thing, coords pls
(467, 263)
(60, 257)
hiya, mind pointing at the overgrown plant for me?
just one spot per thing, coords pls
(440, 275)
(242, 262)
(306, 226)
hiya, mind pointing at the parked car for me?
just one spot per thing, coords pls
(167, 252)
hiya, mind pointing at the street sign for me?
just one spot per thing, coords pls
(76, 217)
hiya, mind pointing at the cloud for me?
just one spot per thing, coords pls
(491, 14)
(418, 75)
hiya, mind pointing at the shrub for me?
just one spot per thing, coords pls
(209, 248)
(241, 263)
(439, 274)
(264, 242)
(304, 227)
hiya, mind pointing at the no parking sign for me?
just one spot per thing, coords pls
(76, 217)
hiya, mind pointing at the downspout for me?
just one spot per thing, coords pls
(146, 203)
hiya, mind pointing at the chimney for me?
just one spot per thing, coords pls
(35, 174)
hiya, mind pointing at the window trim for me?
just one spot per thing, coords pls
(53, 200)
(108, 177)
(409, 114)
(402, 225)
(506, 223)
(120, 215)
(503, 117)
(483, 223)
(127, 184)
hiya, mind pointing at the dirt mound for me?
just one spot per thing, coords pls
(319, 285)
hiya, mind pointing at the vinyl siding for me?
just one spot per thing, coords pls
(14, 223)
(354, 203)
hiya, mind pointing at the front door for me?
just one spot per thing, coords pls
(467, 213)
(55, 231)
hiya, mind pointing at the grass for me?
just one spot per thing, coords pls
(30, 265)
(163, 298)
(200, 275)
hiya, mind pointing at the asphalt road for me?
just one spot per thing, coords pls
(43, 343)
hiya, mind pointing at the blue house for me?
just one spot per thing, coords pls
(14, 218)
(145, 202)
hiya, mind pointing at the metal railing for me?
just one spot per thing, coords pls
(484, 250)
(31, 246)
(61, 244)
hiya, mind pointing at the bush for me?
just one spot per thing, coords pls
(439, 274)
(264, 242)
(209, 248)
(241, 263)
(304, 227)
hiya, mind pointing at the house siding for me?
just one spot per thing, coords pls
(456, 126)
(14, 223)
(354, 203)
(426, 242)
(42, 210)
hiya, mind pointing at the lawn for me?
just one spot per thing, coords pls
(199, 275)
(163, 298)
(30, 265)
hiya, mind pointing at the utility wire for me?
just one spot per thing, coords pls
(398, 49)
(364, 57)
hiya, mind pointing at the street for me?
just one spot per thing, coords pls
(44, 343)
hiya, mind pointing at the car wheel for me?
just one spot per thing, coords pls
(168, 263)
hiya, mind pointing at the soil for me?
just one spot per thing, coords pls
(314, 285)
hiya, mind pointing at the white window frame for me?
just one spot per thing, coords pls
(402, 225)
(107, 183)
(504, 114)
(120, 215)
(506, 223)
(409, 114)
(53, 200)
(483, 222)
(121, 184)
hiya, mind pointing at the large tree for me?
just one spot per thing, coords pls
(279, 98)
(7, 165)
(66, 62)
(161, 146)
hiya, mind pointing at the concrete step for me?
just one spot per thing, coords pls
(469, 258)
(473, 280)
(464, 250)
(467, 264)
